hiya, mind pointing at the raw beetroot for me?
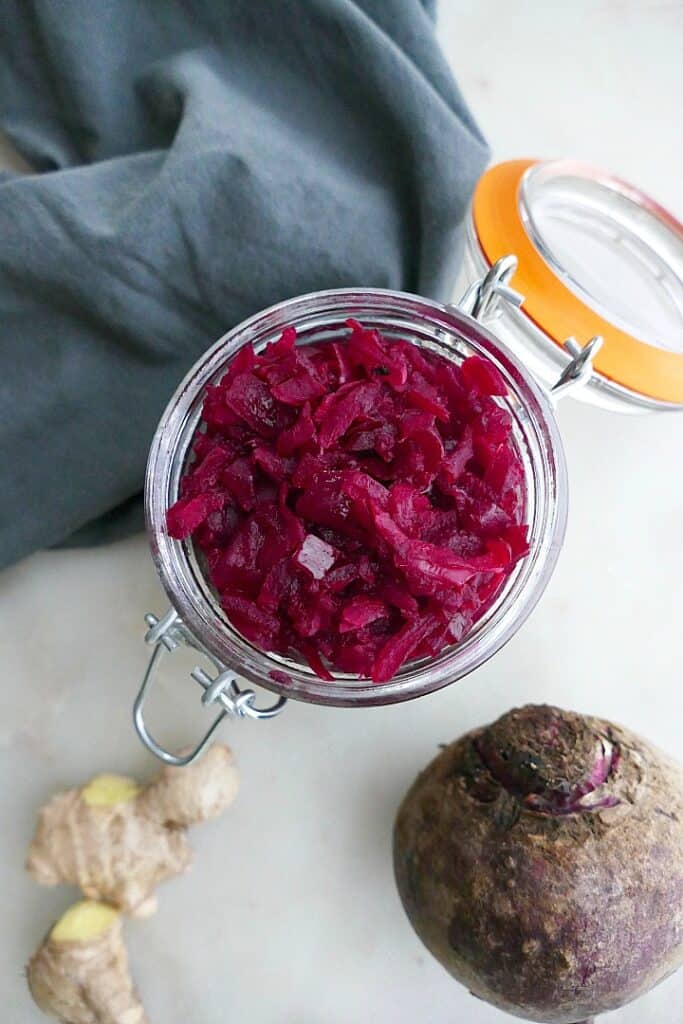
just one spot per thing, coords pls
(357, 502)
(539, 860)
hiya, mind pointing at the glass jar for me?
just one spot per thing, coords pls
(513, 235)
(196, 616)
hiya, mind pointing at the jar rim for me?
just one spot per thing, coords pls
(454, 334)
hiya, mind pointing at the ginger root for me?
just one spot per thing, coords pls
(80, 972)
(117, 841)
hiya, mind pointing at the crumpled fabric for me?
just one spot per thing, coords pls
(195, 162)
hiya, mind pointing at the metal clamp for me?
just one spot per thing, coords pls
(165, 635)
(482, 295)
(480, 299)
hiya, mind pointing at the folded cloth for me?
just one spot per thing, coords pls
(196, 161)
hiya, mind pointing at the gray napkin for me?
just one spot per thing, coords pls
(196, 161)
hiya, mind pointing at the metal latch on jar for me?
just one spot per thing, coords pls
(480, 300)
(165, 635)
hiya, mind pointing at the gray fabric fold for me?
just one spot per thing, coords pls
(196, 161)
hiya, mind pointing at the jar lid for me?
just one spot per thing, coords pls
(596, 257)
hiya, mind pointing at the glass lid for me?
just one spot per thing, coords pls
(614, 248)
(596, 256)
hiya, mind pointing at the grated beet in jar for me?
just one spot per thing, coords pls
(377, 498)
(358, 502)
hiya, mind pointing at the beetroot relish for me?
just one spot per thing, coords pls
(357, 502)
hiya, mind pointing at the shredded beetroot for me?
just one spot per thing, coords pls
(357, 502)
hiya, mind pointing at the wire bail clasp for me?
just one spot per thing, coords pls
(481, 298)
(165, 635)
(482, 295)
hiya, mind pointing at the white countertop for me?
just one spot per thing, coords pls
(290, 915)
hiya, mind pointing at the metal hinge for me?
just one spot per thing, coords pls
(482, 296)
(165, 635)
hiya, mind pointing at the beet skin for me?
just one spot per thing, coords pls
(540, 860)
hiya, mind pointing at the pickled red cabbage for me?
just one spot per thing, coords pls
(359, 503)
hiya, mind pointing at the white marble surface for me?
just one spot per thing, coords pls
(290, 915)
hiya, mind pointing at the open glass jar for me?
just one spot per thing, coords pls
(454, 332)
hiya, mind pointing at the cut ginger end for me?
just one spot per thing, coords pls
(84, 921)
(106, 790)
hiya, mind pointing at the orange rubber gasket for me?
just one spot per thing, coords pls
(559, 313)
